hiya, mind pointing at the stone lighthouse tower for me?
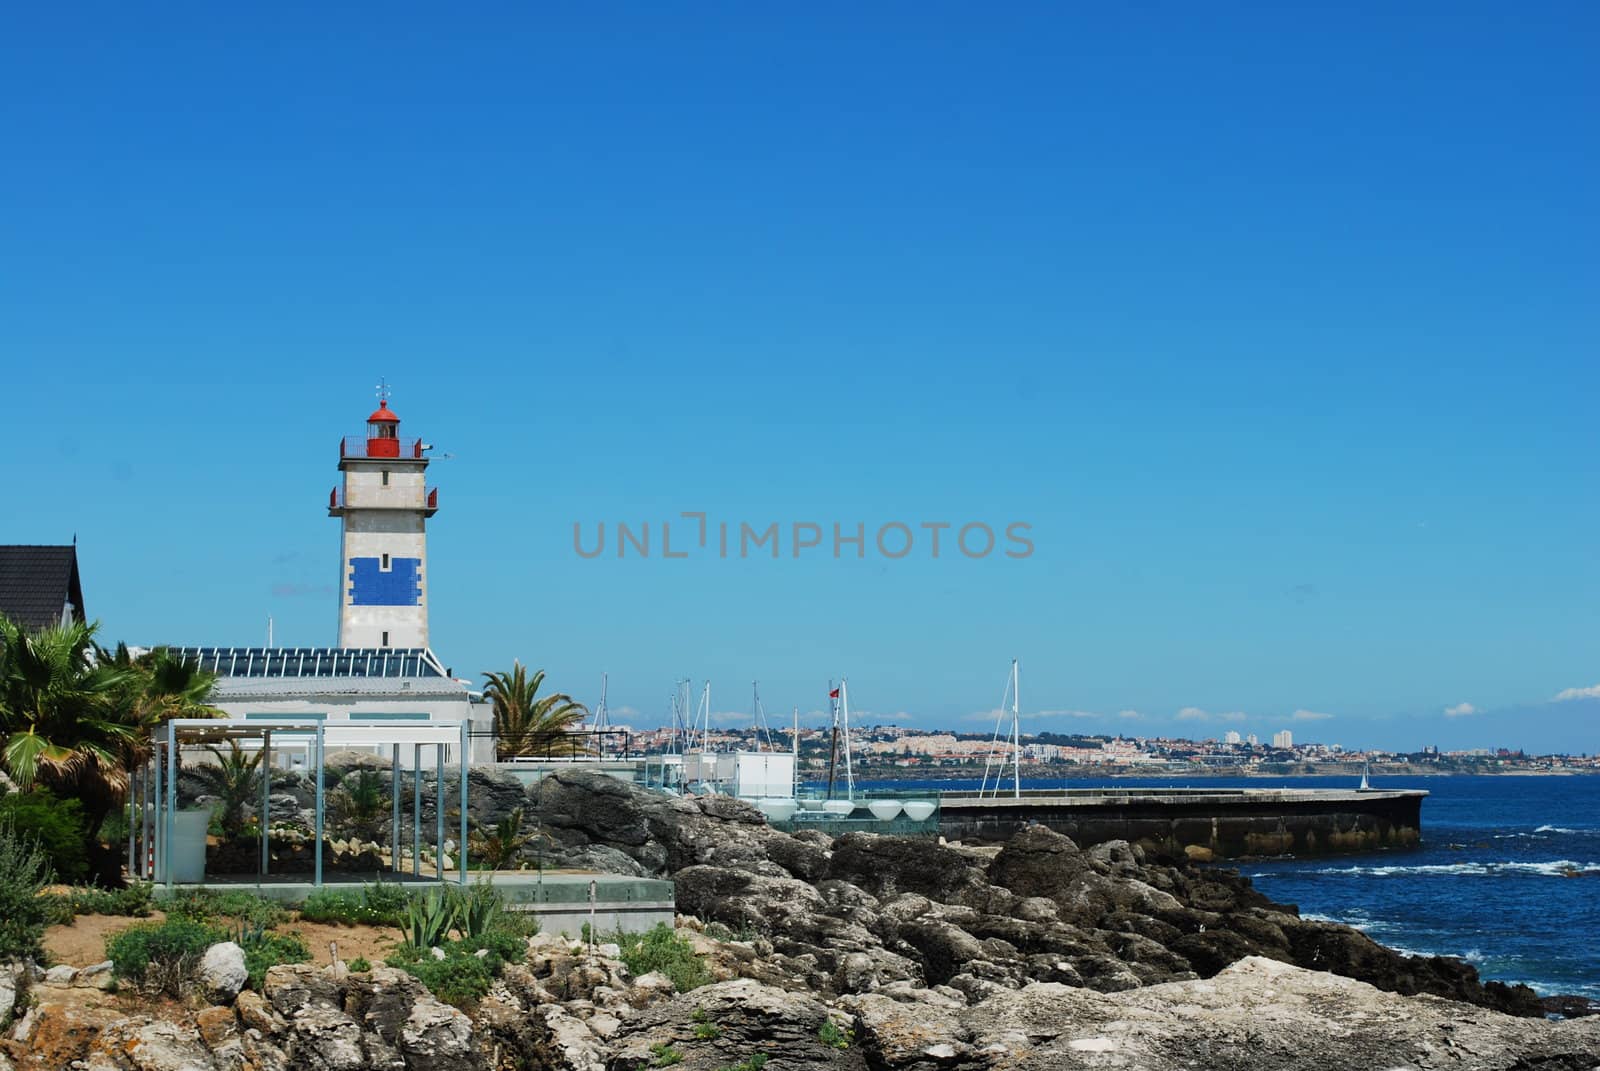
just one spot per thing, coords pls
(383, 504)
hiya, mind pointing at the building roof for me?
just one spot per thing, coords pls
(324, 663)
(37, 583)
(383, 415)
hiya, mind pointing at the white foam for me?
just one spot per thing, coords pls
(1554, 868)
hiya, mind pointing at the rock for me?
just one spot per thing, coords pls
(748, 1018)
(61, 975)
(222, 972)
(437, 1037)
(570, 1041)
(13, 980)
(256, 1014)
(215, 1024)
(154, 1046)
(96, 975)
(1260, 1014)
(323, 1037)
(901, 1034)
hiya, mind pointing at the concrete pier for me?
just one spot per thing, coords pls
(1202, 824)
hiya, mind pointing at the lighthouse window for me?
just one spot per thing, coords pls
(384, 564)
(386, 477)
(386, 639)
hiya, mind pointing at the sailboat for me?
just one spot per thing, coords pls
(1364, 786)
(1006, 750)
(839, 698)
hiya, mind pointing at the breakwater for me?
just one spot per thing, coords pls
(1198, 824)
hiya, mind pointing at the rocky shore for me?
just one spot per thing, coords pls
(864, 952)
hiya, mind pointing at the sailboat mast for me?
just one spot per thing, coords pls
(1016, 730)
(833, 747)
(849, 772)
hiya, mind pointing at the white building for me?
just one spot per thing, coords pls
(1231, 737)
(1283, 738)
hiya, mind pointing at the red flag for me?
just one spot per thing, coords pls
(834, 694)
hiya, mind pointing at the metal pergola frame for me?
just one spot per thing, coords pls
(153, 794)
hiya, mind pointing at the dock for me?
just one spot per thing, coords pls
(1200, 824)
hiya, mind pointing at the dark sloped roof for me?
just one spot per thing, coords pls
(36, 583)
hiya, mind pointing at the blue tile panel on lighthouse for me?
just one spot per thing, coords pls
(401, 585)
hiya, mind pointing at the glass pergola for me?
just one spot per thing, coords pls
(153, 793)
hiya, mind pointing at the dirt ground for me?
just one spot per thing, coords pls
(84, 942)
(371, 942)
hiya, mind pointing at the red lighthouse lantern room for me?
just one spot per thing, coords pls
(383, 432)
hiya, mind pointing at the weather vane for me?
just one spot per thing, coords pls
(383, 392)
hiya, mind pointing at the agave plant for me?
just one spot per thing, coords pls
(477, 910)
(429, 920)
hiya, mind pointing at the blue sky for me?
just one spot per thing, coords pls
(1276, 326)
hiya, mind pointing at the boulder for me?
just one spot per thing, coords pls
(222, 972)
(736, 1020)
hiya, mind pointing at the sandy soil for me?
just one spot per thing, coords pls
(84, 942)
(372, 942)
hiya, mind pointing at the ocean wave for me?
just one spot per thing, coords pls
(1561, 829)
(1554, 868)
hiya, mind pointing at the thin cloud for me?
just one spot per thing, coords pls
(1460, 710)
(1310, 715)
(1197, 714)
(1592, 692)
(1131, 715)
(991, 715)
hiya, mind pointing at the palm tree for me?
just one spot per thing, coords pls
(528, 726)
(62, 714)
(75, 719)
(160, 687)
(235, 779)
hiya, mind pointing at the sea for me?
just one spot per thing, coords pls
(1507, 876)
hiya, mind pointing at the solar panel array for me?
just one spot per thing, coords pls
(313, 661)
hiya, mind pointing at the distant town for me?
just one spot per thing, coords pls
(890, 751)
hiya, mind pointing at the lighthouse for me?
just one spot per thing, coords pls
(383, 505)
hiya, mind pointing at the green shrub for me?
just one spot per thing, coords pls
(57, 909)
(663, 949)
(231, 905)
(461, 978)
(830, 1034)
(133, 901)
(753, 1062)
(24, 913)
(334, 906)
(161, 955)
(264, 949)
(664, 1055)
(57, 825)
(378, 904)
(359, 965)
(385, 903)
